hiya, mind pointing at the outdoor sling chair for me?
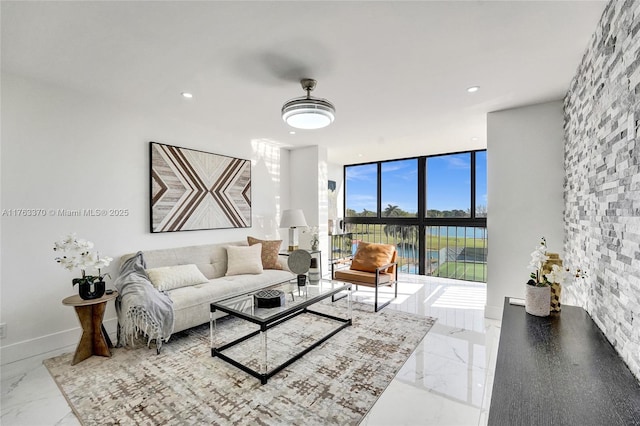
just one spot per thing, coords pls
(373, 265)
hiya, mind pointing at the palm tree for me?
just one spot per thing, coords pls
(409, 233)
(390, 229)
(391, 210)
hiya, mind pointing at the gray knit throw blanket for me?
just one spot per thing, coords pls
(142, 309)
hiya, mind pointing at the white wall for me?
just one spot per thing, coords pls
(525, 178)
(336, 174)
(309, 171)
(66, 150)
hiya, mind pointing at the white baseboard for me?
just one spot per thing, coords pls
(51, 342)
(493, 312)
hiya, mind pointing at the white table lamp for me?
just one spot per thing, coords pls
(293, 219)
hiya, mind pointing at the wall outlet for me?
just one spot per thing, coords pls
(3, 330)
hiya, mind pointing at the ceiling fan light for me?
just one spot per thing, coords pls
(308, 113)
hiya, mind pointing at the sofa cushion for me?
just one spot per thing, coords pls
(211, 259)
(270, 251)
(370, 256)
(171, 277)
(244, 260)
(191, 304)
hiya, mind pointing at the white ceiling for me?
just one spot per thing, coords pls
(397, 72)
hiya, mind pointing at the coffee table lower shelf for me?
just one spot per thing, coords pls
(264, 377)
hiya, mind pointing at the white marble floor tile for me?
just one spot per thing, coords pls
(30, 396)
(448, 378)
(405, 404)
(446, 381)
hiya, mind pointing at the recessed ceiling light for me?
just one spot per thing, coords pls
(186, 95)
(292, 132)
(473, 89)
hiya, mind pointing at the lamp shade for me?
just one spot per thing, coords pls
(293, 218)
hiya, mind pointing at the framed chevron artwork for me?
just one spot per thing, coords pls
(193, 190)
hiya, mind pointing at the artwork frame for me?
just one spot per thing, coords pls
(192, 190)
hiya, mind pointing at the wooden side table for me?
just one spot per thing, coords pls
(94, 340)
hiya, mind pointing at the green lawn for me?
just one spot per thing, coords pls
(375, 235)
(462, 271)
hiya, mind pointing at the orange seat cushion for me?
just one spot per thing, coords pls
(361, 277)
(370, 256)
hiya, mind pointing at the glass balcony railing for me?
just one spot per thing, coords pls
(458, 252)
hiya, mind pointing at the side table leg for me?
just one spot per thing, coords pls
(106, 336)
(92, 341)
(100, 346)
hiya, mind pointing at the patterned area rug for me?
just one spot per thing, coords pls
(334, 384)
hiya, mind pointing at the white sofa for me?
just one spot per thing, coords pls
(191, 304)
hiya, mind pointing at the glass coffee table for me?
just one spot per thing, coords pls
(293, 301)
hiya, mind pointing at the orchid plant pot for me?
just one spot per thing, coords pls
(76, 253)
(537, 300)
(88, 290)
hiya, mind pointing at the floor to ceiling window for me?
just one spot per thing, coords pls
(433, 209)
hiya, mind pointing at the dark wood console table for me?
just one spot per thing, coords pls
(560, 370)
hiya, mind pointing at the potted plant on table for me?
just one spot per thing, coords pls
(538, 291)
(76, 253)
(315, 236)
(547, 275)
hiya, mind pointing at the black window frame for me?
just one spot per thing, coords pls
(420, 220)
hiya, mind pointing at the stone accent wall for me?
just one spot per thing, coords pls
(602, 186)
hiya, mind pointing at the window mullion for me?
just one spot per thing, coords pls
(473, 185)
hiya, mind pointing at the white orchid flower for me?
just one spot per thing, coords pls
(538, 257)
(102, 262)
(84, 244)
(557, 275)
(88, 259)
(76, 253)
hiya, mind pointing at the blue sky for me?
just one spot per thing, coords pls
(448, 180)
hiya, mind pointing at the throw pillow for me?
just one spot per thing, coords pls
(172, 277)
(244, 260)
(270, 251)
(370, 256)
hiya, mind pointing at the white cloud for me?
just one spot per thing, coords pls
(367, 173)
(457, 162)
